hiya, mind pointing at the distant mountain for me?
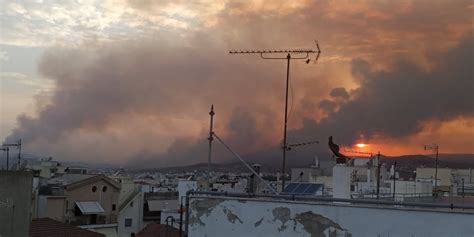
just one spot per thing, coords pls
(406, 164)
(33, 159)
(272, 161)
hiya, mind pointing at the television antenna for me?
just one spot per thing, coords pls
(288, 55)
(18, 145)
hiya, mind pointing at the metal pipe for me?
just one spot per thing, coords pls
(186, 229)
(210, 138)
(306, 54)
(283, 168)
(19, 154)
(394, 178)
(378, 175)
(181, 217)
(6, 149)
(8, 158)
(436, 171)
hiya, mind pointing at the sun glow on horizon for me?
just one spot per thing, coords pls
(361, 145)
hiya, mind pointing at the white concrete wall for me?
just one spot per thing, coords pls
(184, 186)
(224, 216)
(135, 212)
(341, 179)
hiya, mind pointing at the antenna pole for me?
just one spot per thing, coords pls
(394, 178)
(283, 168)
(6, 149)
(8, 158)
(19, 154)
(436, 148)
(267, 54)
(210, 138)
(378, 175)
(436, 170)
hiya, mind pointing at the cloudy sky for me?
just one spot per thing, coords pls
(115, 81)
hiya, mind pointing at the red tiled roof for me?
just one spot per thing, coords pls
(48, 227)
(158, 230)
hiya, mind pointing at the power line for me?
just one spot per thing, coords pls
(290, 146)
(245, 163)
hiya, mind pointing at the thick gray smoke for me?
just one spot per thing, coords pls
(172, 85)
(149, 99)
(146, 80)
(396, 103)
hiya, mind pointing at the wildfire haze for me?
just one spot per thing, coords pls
(123, 81)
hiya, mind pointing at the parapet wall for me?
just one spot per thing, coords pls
(15, 202)
(217, 216)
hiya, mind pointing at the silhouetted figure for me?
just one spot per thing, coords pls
(341, 159)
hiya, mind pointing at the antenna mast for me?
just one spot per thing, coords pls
(210, 138)
(434, 147)
(7, 150)
(287, 54)
(18, 145)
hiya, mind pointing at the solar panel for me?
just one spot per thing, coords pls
(301, 188)
(312, 189)
(290, 187)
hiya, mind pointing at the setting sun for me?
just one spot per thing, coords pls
(361, 145)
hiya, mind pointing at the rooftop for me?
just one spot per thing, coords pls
(48, 227)
(158, 230)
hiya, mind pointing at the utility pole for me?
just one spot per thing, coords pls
(436, 169)
(18, 145)
(6, 149)
(210, 138)
(280, 54)
(436, 148)
(394, 178)
(378, 175)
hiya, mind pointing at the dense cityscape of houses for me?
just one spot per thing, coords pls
(117, 203)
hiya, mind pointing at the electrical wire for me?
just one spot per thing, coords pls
(245, 163)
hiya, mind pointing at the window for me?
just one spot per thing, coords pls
(104, 189)
(94, 189)
(114, 207)
(128, 222)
